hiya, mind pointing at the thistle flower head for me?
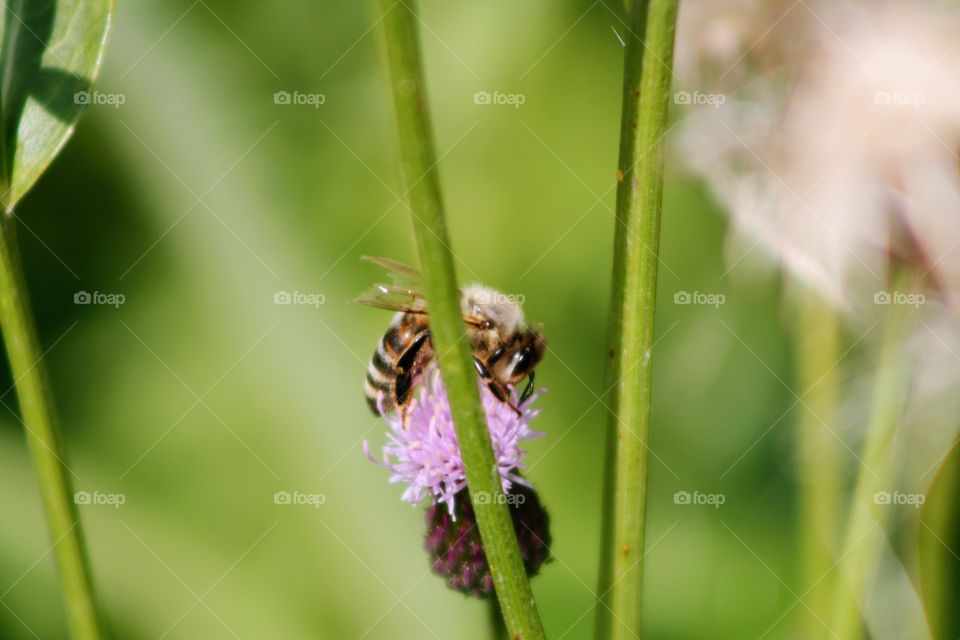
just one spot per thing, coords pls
(456, 549)
(423, 453)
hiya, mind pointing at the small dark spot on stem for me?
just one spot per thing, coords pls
(619, 175)
(626, 550)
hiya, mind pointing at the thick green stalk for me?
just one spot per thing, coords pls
(817, 339)
(865, 519)
(646, 100)
(418, 164)
(36, 407)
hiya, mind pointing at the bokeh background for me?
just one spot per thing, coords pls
(199, 198)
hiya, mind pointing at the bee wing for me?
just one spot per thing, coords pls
(403, 295)
(402, 275)
(393, 298)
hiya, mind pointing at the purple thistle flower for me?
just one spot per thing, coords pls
(425, 455)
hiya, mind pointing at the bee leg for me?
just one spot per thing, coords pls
(413, 353)
(401, 390)
(410, 362)
(496, 387)
(527, 390)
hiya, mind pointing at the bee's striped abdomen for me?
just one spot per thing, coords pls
(396, 363)
(380, 381)
(394, 341)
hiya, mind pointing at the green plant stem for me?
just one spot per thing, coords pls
(646, 100)
(817, 339)
(36, 407)
(865, 519)
(418, 166)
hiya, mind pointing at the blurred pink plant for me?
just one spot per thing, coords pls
(845, 150)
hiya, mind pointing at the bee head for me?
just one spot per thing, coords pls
(527, 354)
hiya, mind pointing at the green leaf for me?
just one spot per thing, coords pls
(940, 550)
(50, 52)
(49, 57)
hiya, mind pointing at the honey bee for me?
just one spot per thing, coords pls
(505, 349)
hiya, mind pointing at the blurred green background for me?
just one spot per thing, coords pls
(199, 198)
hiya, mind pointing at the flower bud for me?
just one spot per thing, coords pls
(456, 550)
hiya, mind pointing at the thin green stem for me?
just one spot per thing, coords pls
(817, 340)
(866, 516)
(36, 407)
(646, 99)
(418, 165)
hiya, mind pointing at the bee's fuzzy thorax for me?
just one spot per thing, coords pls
(500, 308)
